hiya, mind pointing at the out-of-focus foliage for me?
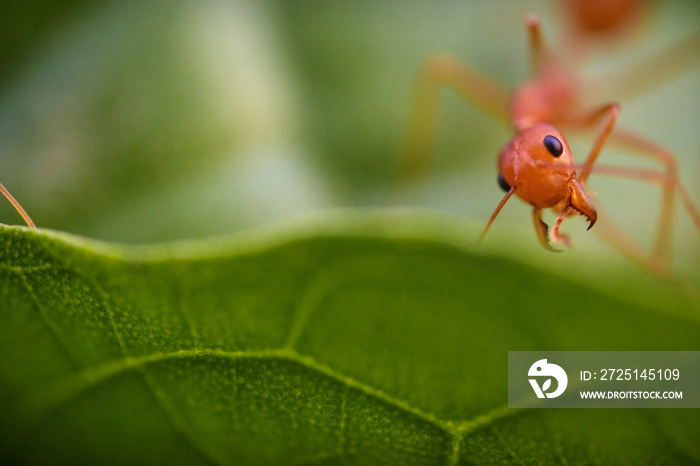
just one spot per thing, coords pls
(135, 121)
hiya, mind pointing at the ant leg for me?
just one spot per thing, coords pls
(659, 260)
(441, 70)
(669, 182)
(556, 236)
(664, 66)
(17, 206)
(586, 120)
(537, 48)
(619, 240)
(540, 55)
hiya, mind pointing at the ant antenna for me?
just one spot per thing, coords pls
(16, 205)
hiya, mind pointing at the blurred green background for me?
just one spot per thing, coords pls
(148, 121)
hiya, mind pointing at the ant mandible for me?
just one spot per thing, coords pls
(537, 164)
(17, 206)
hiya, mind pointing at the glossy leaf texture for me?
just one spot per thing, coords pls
(353, 342)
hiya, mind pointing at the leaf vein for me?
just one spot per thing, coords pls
(343, 416)
(44, 315)
(171, 412)
(51, 396)
(320, 285)
(25, 268)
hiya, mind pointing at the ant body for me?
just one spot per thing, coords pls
(537, 164)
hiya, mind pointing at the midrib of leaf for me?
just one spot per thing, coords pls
(52, 396)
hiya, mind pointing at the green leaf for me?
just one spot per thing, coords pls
(355, 340)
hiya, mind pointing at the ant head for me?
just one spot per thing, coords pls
(538, 162)
(544, 143)
(537, 166)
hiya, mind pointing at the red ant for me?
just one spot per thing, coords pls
(537, 164)
(17, 206)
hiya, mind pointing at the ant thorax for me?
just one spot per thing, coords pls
(547, 98)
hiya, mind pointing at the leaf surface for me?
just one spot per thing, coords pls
(352, 343)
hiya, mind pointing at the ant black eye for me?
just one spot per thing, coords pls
(553, 145)
(502, 183)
